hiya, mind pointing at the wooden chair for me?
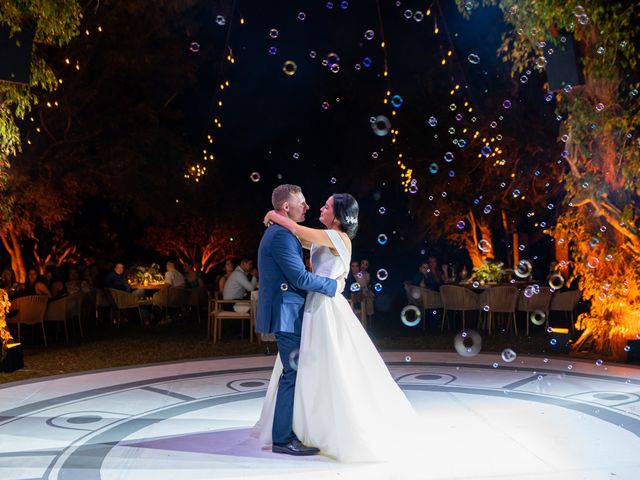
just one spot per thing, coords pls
(218, 315)
(125, 301)
(458, 299)
(537, 302)
(565, 302)
(502, 299)
(31, 311)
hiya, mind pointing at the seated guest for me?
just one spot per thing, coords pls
(192, 277)
(35, 284)
(428, 275)
(7, 279)
(238, 285)
(74, 284)
(57, 286)
(115, 279)
(229, 267)
(173, 278)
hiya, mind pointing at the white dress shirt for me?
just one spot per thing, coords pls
(237, 285)
(174, 278)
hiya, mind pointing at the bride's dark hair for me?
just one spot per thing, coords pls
(346, 210)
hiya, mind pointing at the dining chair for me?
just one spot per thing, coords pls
(169, 298)
(242, 311)
(536, 302)
(458, 299)
(125, 301)
(502, 299)
(565, 302)
(31, 311)
(196, 298)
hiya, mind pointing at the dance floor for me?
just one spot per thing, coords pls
(533, 418)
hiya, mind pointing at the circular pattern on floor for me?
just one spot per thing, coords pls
(534, 418)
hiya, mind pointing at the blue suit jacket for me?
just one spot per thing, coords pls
(280, 263)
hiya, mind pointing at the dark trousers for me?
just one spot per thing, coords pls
(288, 345)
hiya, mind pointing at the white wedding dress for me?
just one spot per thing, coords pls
(346, 402)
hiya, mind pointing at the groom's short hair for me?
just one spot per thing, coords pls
(282, 193)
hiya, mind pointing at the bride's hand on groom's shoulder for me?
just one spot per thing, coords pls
(267, 218)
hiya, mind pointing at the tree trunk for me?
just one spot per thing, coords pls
(478, 253)
(11, 242)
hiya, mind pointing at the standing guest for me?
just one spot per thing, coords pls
(115, 279)
(229, 267)
(351, 279)
(238, 285)
(192, 277)
(173, 278)
(35, 284)
(364, 279)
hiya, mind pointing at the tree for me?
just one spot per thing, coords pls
(602, 158)
(56, 23)
(195, 242)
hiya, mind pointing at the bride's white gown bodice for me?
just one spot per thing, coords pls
(346, 402)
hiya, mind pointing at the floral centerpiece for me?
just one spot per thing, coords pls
(146, 275)
(488, 272)
(5, 336)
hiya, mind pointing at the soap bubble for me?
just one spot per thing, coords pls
(433, 168)
(556, 281)
(289, 67)
(369, 34)
(506, 104)
(468, 343)
(194, 47)
(302, 16)
(382, 274)
(508, 355)
(411, 315)
(433, 121)
(355, 287)
(220, 20)
(273, 50)
(538, 317)
(273, 33)
(294, 358)
(523, 269)
(284, 287)
(484, 245)
(377, 287)
(255, 177)
(473, 58)
(381, 125)
(382, 239)
(396, 101)
(382, 210)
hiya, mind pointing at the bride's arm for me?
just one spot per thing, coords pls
(305, 234)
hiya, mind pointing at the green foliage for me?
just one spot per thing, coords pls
(600, 123)
(56, 23)
(488, 272)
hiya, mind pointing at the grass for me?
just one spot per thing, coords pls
(104, 346)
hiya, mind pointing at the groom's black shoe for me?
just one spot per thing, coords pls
(295, 447)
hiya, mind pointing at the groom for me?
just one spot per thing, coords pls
(284, 283)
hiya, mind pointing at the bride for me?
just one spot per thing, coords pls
(346, 402)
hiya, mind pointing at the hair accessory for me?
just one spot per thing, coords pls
(350, 220)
